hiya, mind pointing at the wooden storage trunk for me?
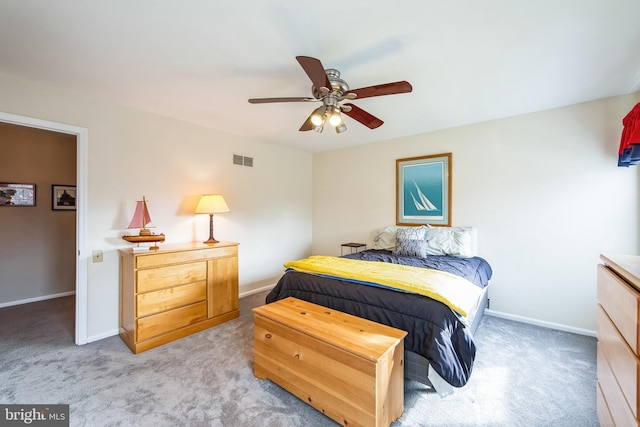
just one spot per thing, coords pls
(348, 368)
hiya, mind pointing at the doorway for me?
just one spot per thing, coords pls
(82, 254)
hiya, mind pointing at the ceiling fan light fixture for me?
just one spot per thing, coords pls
(317, 120)
(319, 128)
(317, 117)
(341, 128)
(335, 119)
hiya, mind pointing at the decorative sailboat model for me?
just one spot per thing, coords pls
(141, 219)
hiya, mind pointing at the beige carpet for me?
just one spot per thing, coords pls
(524, 376)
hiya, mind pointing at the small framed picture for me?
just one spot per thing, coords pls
(63, 197)
(17, 194)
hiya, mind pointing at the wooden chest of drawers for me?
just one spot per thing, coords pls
(176, 291)
(618, 393)
(348, 368)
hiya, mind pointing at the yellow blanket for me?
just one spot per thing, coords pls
(457, 293)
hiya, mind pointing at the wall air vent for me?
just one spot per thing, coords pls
(242, 160)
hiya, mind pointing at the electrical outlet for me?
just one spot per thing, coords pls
(96, 256)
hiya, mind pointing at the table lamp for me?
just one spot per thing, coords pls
(210, 204)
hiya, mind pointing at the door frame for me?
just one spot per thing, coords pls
(82, 253)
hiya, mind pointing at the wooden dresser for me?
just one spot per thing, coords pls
(618, 393)
(176, 291)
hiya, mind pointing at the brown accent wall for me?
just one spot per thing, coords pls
(37, 244)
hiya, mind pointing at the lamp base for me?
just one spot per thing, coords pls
(211, 240)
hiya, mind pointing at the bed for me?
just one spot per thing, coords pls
(373, 284)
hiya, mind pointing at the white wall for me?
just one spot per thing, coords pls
(543, 190)
(133, 154)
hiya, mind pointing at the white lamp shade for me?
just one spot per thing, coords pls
(211, 204)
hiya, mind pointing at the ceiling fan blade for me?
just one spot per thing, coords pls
(314, 69)
(268, 100)
(379, 90)
(367, 119)
(307, 125)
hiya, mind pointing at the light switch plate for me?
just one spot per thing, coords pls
(96, 256)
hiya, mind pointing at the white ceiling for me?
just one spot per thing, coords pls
(200, 60)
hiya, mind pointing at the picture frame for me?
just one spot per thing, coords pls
(63, 197)
(423, 190)
(15, 194)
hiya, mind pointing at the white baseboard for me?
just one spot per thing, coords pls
(542, 323)
(255, 291)
(36, 299)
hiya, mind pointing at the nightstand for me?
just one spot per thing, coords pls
(354, 247)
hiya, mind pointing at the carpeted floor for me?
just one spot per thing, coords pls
(523, 376)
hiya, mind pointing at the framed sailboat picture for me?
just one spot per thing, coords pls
(423, 190)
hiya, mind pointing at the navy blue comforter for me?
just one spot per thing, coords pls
(434, 331)
(475, 269)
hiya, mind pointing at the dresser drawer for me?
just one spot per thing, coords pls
(164, 277)
(621, 303)
(623, 364)
(604, 415)
(157, 324)
(165, 258)
(612, 406)
(169, 298)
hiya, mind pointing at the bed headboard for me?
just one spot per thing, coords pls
(458, 241)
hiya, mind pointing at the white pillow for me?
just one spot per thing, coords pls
(454, 241)
(385, 238)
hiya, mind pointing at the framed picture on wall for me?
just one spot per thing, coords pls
(17, 194)
(423, 190)
(63, 197)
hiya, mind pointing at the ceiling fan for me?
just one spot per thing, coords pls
(331, 90)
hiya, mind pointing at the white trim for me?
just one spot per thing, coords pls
(256, 291)
(542, 323)
(103, 335)
(82, 199)
(82, 144)
(36, 299)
